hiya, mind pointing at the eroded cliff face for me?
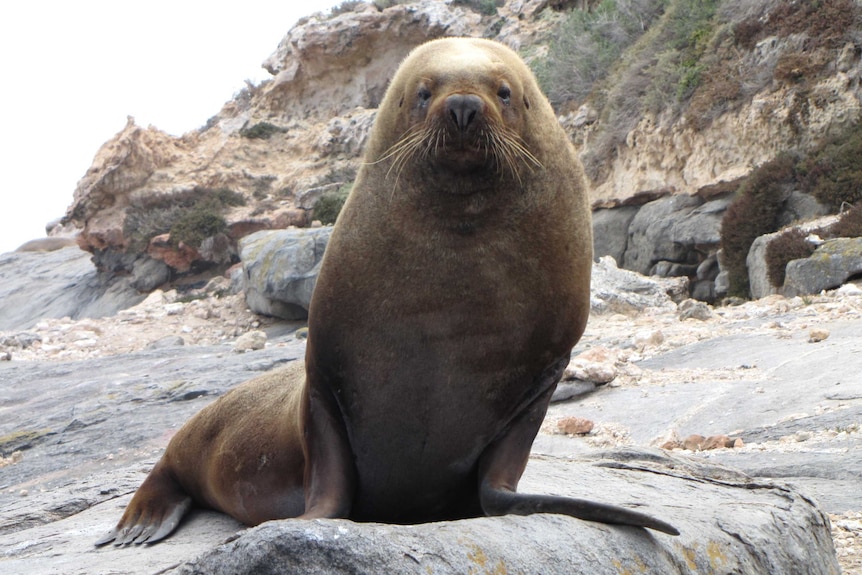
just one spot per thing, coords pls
(284, 143)
(276, 144)
(779, 118)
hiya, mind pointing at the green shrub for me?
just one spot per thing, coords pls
(345, 6)
(788, 246)
(585, 46)
(197, 224)
(384, 4)
(484, 7)
(752, 213)
(329, 205)
(141, 225)
(261, 131)
(186, 214)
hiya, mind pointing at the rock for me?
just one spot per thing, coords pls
(673, 229)
(165, 342)
(280, 269)
(148, 274)
(648, 337)
(716, 442)
(346, 134)
(575, 426)
(611, 230)
(36, 285)
(178, 257)
(691, 309)
(595, 372)
(751, 526)
(755, 261)
(250, 341)
(800, 207)
(570, 389)
(614, 290)
(693, 442)
(319, 56)
(817, 334)
(22, 340)
(831, 265)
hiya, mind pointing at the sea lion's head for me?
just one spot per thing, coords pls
(459, 107)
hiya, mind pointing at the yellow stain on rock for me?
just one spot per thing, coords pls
(717, 557)
(485, 566)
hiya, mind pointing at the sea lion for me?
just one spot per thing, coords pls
(453, 288)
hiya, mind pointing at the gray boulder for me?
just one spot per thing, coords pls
(830, 266)
(729, 523)
(758, 272)
(614, 290)
(611, 230)
(280, 269)
(669, 229)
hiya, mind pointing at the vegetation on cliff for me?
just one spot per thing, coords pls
(688, 59)
(189, 217)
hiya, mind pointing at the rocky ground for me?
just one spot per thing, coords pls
(723, 364)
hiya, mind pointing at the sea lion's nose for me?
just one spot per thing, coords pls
(463, 109)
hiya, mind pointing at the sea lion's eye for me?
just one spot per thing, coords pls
(505, 94)
(424, 94)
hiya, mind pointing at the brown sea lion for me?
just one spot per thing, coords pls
(454, 286)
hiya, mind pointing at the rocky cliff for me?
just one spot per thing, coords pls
(702, 93)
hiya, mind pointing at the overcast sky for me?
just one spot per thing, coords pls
(72, 71)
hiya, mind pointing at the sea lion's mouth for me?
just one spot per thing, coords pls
(466, 157)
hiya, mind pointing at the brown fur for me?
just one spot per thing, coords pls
(454, 286)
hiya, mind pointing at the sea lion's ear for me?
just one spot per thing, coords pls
(526, 102)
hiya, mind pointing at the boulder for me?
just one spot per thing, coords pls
(280, 269)
(729, 522)
(670, 229)
(610, 231)
(614, 290)
(831, 265)
(758, 271)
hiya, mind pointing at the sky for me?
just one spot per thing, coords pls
(70, 73)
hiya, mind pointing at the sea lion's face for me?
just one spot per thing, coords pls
(461, 110)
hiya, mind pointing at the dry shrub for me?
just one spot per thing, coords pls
(799, 67)
(721, 87)
(753, 212)
(850, 224)
(788, 246)
(825, 22)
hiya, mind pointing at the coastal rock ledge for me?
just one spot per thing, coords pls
(729, 523)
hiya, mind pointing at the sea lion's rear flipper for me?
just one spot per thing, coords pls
(501, 501)
(504, 461)
(154, 512)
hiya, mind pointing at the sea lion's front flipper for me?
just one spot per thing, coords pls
(330, 474)
(504, 461)
(153, 513)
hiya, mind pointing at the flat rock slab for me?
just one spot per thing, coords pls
(781, 386)
(90, 430)
(729, 524)
(35, 285)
